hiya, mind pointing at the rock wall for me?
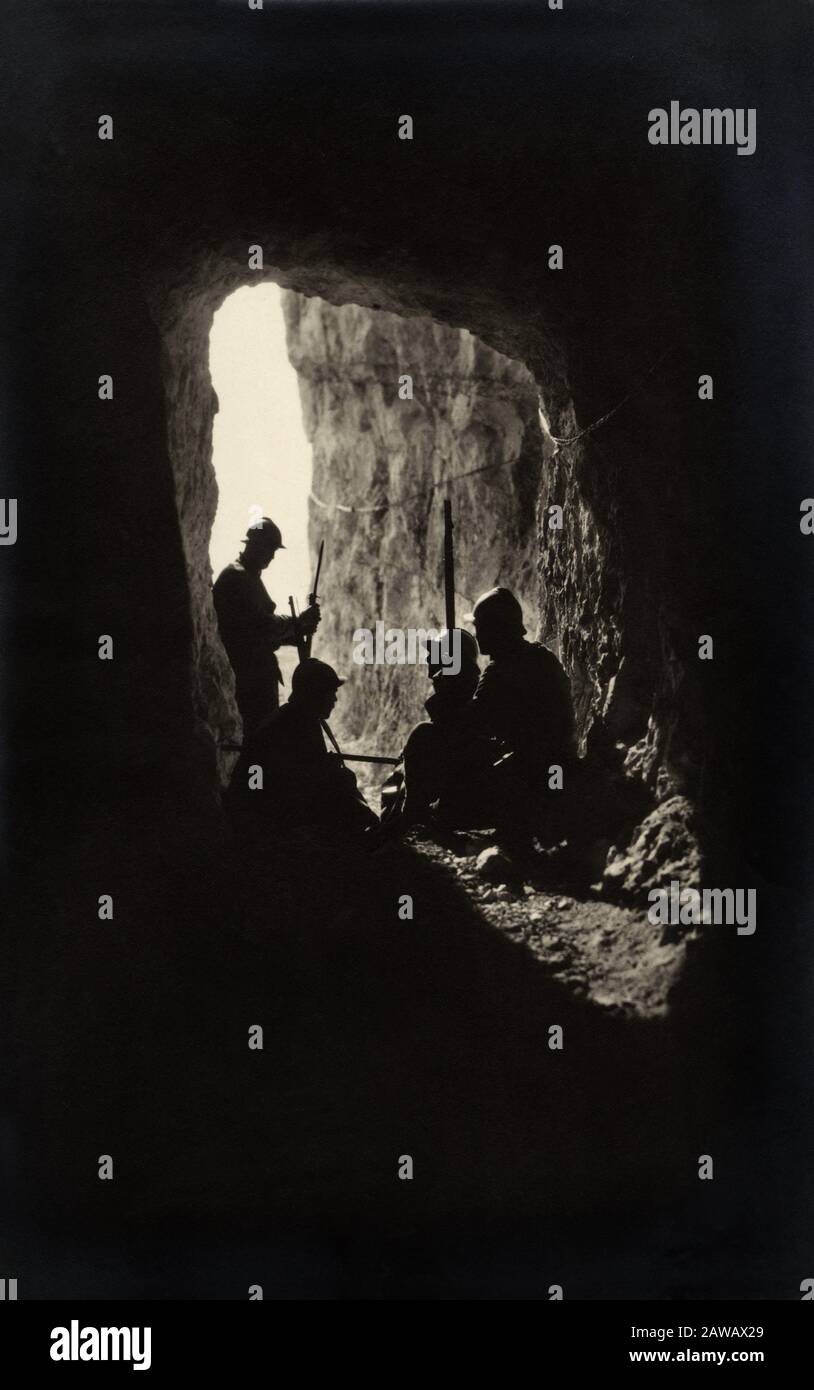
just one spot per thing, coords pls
(471, 431)
(191, 407)
(474, 429)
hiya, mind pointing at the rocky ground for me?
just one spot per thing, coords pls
(603, 952)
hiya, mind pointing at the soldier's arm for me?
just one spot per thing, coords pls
(285, 632)
(281, 630)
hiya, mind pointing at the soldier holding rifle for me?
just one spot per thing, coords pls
(250, 628)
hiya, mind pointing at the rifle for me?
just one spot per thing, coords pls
(312, 597)
(299, 641)
(449, 569)
(227, 746)
(370, 758)
(303, 654)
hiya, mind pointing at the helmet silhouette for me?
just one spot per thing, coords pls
(267, 530)
(440, 651)
(498, 610)
(313, 677)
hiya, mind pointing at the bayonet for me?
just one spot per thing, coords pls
(312, 597)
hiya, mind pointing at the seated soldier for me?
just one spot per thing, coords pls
(445, 762)
(286, 778)
(523, 702)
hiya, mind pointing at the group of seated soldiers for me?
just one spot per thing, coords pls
(498, 748)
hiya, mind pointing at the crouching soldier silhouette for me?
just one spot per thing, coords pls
(523, 703)
(287, 780)
(442, 779)
(251, 630)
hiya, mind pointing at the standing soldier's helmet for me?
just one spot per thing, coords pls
(266, 530)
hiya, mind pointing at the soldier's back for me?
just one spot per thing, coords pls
(525, 697)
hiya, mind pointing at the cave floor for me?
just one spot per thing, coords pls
(381, 1038)
(607, 953)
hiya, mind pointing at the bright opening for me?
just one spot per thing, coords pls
(260, 453)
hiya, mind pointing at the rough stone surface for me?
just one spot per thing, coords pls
(493, 866)
(473, 412)
(191, 406)
(665, 846)
(475, 421)
(611, 954)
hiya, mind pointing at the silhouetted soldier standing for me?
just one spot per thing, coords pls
(304, 785)
(249, 626)
(523, 700)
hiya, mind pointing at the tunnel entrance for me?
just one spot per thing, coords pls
(365, 420)
(393, 413)
(401, 410)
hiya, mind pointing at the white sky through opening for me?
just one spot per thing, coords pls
(260, 452)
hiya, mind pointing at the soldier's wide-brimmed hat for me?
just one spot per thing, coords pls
(313, 677)
(268, 529)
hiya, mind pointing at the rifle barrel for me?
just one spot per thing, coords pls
(370, 758)
(230, 747)
(312, 597)
(449, 568)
